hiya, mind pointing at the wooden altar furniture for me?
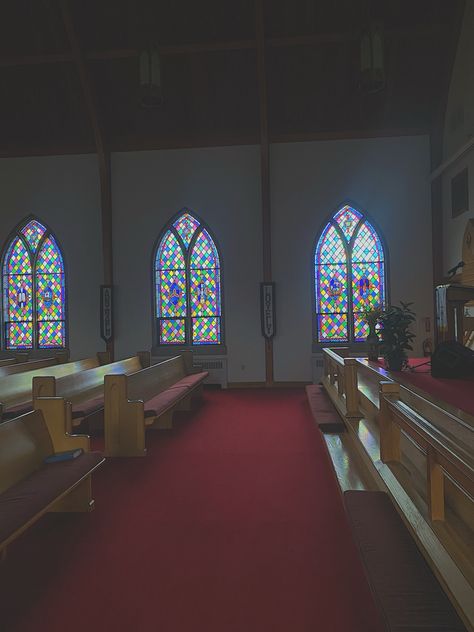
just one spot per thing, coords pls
(421, 452)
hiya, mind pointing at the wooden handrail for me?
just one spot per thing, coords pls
(444, 457)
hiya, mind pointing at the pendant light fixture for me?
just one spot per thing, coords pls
(151, 93)
(372, 63)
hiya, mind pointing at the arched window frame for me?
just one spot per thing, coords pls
(202, 348)
(15, 234)
(348, 246)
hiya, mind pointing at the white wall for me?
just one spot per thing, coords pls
(389, 179)
(386, 177)
(222, 185)
(459, 130)
(64, 192)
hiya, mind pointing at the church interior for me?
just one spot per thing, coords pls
(237, 316)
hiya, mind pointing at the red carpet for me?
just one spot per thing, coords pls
(232, 523)
(456, 393)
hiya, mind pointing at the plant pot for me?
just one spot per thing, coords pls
(394, 364)
(372, 346)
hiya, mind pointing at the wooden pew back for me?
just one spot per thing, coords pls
(79, 387)
(17, 389)
(7, 361)
(24, 443)
(157, 378)
(22, 367)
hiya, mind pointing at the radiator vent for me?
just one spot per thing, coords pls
(317, 365)
(217, 367)
(208, 365)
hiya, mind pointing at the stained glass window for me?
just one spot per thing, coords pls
(33, 290)
(188, 285)
(349, 276)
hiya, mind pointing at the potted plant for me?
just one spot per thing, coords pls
(396, 335)
(372, 316)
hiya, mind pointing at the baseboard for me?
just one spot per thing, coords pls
(264, 385)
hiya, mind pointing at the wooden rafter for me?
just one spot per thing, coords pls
(208, 47)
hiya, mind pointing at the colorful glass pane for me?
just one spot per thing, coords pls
(205, 292)
(330, 248)
(186, 226)
(33, 232)
(347, 219)
(171, 293)
(51, 334)
(170, 254)
(332, 327)
(17, 260)
(367, 246)
(206, 331)
(49, 260)
(204, 254)
(19, 335)
(367, 285)
(19, 297)
(50, 296)
(361, 328)
(173, 332)
(331, 288)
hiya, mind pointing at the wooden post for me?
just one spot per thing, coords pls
(352, 392)
(265, 172)
(389, 430)
(103, 154)
(435, 483)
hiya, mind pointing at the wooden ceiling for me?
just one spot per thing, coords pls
(209, 71)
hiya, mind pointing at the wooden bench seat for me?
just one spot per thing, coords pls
(147, 399)
(323, 410)
(16, 390)
(407, 594)
(28, 487)
(85, 390)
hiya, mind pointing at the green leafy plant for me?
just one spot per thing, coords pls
(396, 335)
(372, 316)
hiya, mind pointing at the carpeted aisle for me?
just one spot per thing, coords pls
(232, 523)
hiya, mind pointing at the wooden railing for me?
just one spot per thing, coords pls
(340, 380)
(422, 453)
(444, 456)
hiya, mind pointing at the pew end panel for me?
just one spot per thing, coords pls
(57, 417)
(124, 419)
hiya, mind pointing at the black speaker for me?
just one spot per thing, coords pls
(452, 359)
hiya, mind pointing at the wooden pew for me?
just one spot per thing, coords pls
(16, 390)
(85, 390)
(28, 487)
(32, 365)
(7, 361)
(147, 399)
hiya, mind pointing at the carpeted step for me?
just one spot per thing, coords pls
(407, 593)
(323, 410)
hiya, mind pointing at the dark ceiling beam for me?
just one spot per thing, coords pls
(209, 47)
(102, 153)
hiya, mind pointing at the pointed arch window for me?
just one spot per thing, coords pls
(350, 276)
(187, 275)
(34, 297)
